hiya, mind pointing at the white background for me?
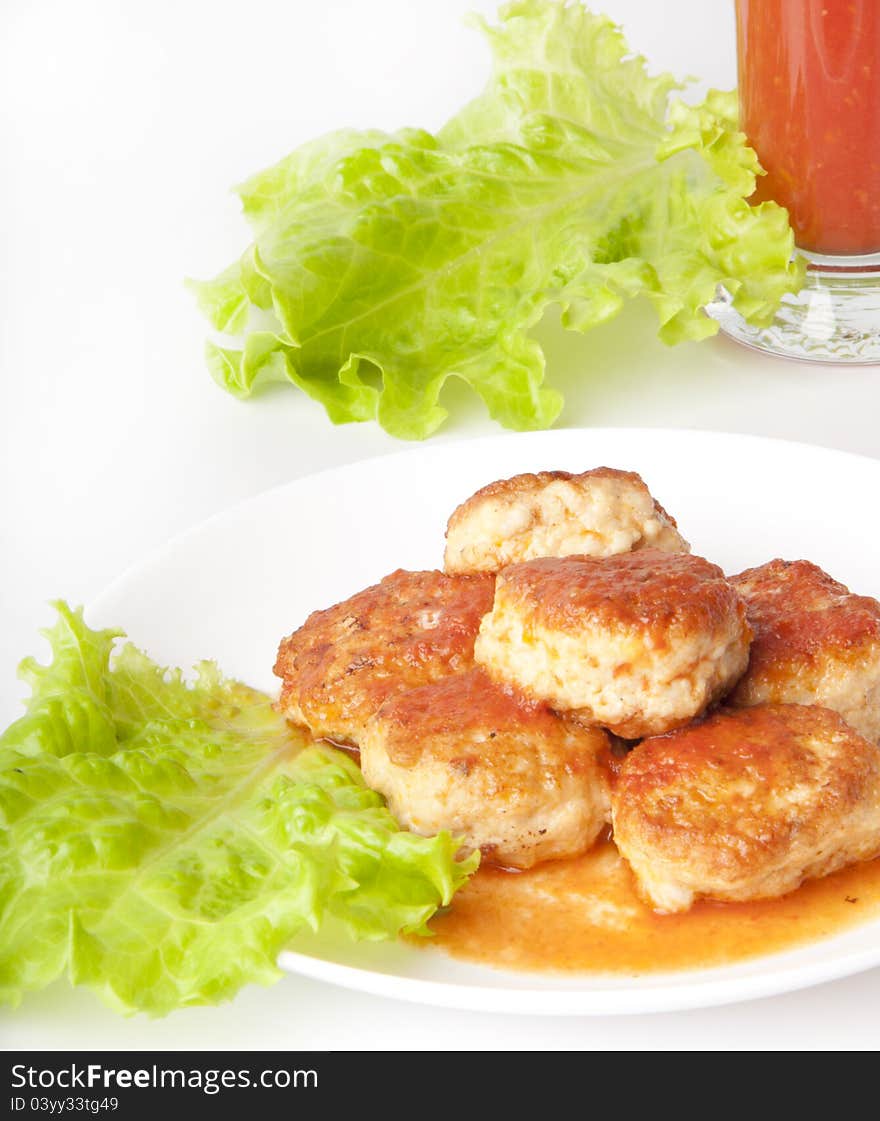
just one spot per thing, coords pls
(122, 127)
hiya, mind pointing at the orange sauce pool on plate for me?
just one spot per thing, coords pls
(584, 914)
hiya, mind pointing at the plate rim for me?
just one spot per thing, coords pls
(667, 996)
(414, 448)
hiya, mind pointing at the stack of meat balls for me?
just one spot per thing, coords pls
(575, 667)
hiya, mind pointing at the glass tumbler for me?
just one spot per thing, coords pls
(809, 91)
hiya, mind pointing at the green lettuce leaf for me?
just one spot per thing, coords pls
(161, 841)
(384, 264)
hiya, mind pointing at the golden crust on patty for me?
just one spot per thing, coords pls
(509, 777)
(555, 514)
(408, 630)
(814, 643)
(746, 805)
(639, 643)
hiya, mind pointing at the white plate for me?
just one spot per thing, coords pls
(231, 587)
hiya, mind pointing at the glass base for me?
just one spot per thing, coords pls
(834, 318)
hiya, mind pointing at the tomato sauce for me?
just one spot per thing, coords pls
(809, 81)
(584, 915)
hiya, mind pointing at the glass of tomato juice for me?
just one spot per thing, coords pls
(809, 92)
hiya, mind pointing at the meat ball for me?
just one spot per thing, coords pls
(814, 643)
(746, 805)
(408, 630)
(639, 643)
(509, 777)
(557, 514)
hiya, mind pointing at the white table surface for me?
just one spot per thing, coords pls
(121, 128)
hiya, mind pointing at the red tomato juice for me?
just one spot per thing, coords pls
(809, 82)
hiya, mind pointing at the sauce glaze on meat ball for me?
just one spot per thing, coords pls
(746, 805)
(814, 643)
(509, 777)
(639, 643)
(408, 630)
(557, 514)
